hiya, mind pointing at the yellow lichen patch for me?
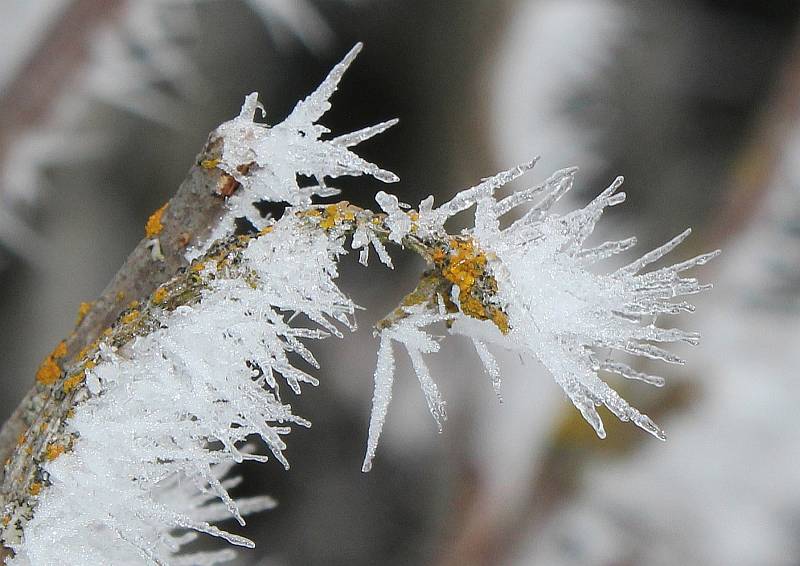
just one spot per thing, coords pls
(129, 317)
(133, 304)
(471, 306)
(73, 381)
(120, 296)
(83, 310)
(84, 351)
(335, 214)
(35, 488)
(49, 370)
(159, 295)
(154, 226)
(414, 216)
(332, 217)
(265, 231)
(60, 350)
(53, 451)
(21, 439)
(209, 163)
(197, 267)
(70, 413)
(500, 320)
(465, 266)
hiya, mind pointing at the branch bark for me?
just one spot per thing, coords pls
(185, 221)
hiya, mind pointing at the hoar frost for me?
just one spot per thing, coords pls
(165, 417)
(561, 312)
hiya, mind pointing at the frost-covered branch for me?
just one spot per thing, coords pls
(132, 437)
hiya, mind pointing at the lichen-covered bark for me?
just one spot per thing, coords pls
(29, 436)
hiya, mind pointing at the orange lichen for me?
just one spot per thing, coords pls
(49, 370)
(464, 265)
(159, 295)
(53, 451)
(83, 310)
(414, 216)
(209, 163)
(471, 306)
(73, 381)
(21, 439)
(35, 488)
(335, 214)
(129, 317)
(60, 350)
(500, 320)
(332, 217)
(82, 354)
(153, 227)
(6, 520)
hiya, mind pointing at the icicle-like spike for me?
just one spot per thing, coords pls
(653, 256)
(629, 373)
(316, 104)
(490, 365)
(435, 403)
(382, 396)
(355, 138)
(466, 198)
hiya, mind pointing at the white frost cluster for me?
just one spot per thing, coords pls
(176, 405)
(268, 160)
(561, 311)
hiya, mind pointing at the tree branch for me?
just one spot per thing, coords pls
(185, 221)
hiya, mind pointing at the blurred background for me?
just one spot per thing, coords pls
(104, 104)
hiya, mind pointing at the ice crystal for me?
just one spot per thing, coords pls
(179, 402)
(407, 332)
(561, 311)
(268, 160)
